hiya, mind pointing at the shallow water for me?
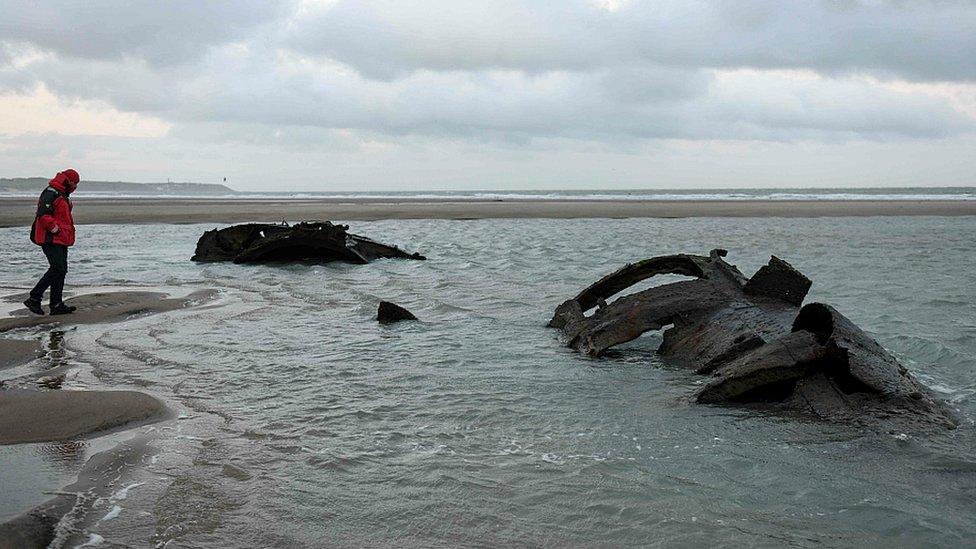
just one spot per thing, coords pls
(304, 422)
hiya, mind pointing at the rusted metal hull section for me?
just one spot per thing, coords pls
(318, 241)
(753, 340)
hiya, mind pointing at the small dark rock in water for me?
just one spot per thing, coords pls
(388, 313)
(754, 341)
(309, 241)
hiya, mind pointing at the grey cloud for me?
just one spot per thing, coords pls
(128, 85)
(159, 33)
(915, 40)
(294, 138)
(505, 71)
(604, 105)
(387, 38)
(808, 107)
(640, 84)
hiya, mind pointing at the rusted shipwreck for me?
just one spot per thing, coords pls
(753, 340)
(308, 241)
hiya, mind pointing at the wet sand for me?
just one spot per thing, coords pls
(19, 211)
(14, 352)
(103, 307)
(45, 416)
(28, 415)
(97, 478)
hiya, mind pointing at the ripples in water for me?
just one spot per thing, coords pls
(306, 423)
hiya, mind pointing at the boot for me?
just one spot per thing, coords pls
(33, 305)
(62, 309)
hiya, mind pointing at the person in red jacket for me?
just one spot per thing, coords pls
(54, 231)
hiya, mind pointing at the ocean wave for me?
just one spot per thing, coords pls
(960, 193)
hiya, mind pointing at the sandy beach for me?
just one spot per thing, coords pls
(44, 416)
(29, 415)
(14, 352)
(19, 211)
(103, 307)
(38, 416)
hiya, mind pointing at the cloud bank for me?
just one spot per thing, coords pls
(334, 81)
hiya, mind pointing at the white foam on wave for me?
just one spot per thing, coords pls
(961, 193)
(112, 513)
(93, 541)
(124, 493)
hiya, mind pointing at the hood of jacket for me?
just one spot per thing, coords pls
(65, 182)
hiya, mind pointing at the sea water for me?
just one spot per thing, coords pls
(744, 194)
(303, 422)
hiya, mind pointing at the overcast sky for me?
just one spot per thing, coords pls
(491, 94)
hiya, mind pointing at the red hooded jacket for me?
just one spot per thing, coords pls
(53, 223)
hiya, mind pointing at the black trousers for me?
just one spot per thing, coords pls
(57, 258)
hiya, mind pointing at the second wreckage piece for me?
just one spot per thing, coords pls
(753, 339)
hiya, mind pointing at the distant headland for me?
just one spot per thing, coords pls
(33, 185)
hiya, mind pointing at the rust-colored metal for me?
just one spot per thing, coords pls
(309, 241)
(753, 340)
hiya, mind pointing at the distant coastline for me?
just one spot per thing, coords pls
(19, 186)
(28, 187)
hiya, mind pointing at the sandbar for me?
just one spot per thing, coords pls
(103, 307)
(14, 352)
(19, 211)
(45, 416)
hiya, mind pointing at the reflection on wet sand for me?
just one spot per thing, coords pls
(55, 353)
(55, 361)
(67, 453)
